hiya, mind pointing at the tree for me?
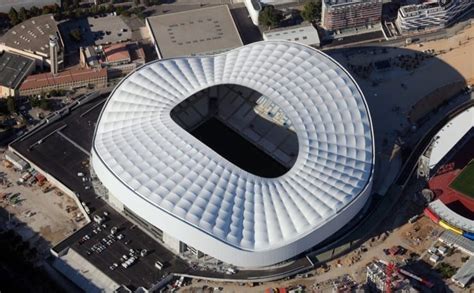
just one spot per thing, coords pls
(34, 11)
(446, 270)
(13, 15)
(311, 10)
(55, 8)
(44, 104)
(76, 35)
(270, 17)
(137, 2)
(22, 14)
(11, 105)
(46, 10)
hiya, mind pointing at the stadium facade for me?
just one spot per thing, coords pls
(431, 14)
(192, 198)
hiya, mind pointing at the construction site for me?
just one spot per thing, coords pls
(35, 209)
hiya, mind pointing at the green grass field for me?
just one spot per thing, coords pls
(464, 183)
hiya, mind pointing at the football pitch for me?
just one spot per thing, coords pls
(464, 183)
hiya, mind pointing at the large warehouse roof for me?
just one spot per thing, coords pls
(201, 31)
(177, 183)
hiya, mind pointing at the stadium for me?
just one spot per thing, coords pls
(252, 156)
(450, 159)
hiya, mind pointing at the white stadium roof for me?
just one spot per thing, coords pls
(450, 135)
(174, 181)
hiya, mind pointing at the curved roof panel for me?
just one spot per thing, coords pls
(155, 159)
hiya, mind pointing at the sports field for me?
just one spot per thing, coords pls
(229, 144)
(464, 182)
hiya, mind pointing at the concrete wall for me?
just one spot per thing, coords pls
(172, 242)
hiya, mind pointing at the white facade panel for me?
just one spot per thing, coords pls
(172, 180)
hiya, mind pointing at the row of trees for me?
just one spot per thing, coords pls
(23, 14)
(71, 9)
(147, 3)
(271, 17)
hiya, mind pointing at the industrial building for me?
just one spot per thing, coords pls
(162, 164)
(66, 80)
(202, 31)
(431, 14)
(6, 5)
(305, 34)
(13, 70)
(340, 15)
(465, 274)
(31, 38)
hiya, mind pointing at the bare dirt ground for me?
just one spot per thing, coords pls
(37, 212)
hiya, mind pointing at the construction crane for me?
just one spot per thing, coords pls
(390, 267)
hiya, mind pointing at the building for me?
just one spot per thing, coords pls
(431, 14)
(66, 80)
(193, 199)
(447, 163)
(16, 161)
(194, 32)
(6, 5)
(377, 279)
(340, 15)
(31, 38)
(13, 70)
(53, 53)
(88, 57)
(464, 275)
(254, 8)
(119, 59)
(305, 34)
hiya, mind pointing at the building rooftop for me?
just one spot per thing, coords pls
(194, 32)
(459, 241)
(312, 198)
(32, 35)
(48, 79)
(117, 52)
(13, 69)
(465, 273)
(344, 2)
(451, 216)
(305, 34)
